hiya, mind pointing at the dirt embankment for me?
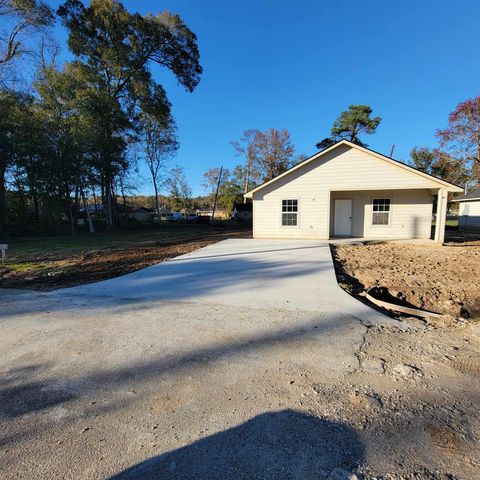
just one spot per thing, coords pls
(442, 279)
(50, 273)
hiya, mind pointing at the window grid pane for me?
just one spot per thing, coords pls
(381, 204)
(289, 206)
(289, 212)
(289, 219)
(381, 211)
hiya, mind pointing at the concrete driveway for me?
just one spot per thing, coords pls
(192, 368)
(260, 274)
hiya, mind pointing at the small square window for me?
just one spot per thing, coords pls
(381, 211)
(289, 213)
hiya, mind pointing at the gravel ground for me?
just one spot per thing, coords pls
(93, 389)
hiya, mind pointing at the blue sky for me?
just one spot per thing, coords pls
(298, 64)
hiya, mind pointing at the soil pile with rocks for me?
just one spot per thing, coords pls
(441, 279)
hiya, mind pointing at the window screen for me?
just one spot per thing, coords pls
(289, 213)
(381, 211)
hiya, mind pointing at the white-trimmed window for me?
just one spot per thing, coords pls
(381, 211)
(289, 213)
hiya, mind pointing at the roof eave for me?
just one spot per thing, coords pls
(455, 189)
(473, 199)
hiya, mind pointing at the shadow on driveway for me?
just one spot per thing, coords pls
(276, 445)
(22, 392)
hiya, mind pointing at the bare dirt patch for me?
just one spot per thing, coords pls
(442, 279)
(48, 271)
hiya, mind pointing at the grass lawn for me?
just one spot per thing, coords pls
(26, 250)
(449, 223)
(53, 262)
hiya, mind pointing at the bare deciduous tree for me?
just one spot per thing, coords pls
(267, 153)
(160, 144)
(247, 147)
(275, 152)
(21, 19)
(178, 187)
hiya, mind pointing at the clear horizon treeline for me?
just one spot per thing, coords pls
(79, 131)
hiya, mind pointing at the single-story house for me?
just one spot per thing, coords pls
(141, 214)
(242, 212)
(350, 191)
(469, 211)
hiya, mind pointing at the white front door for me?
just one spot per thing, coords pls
(343, 217)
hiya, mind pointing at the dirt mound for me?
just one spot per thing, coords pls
(442, 279)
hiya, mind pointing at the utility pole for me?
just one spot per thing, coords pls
(247, 175)
(216, 193)
(391, 151)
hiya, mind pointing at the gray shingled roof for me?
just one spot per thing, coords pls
(473, 195)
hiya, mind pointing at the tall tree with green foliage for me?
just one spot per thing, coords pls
(115, 50)
(14, 113)
(422, 158)
(31, 170)
(352, 123)
(68, 133)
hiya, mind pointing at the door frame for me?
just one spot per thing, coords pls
(351, 217)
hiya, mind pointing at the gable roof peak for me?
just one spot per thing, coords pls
(449, 186)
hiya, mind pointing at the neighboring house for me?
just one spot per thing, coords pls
(350, 191)
(220, 213)
(163, 210)
(94, 211)
(242, 212)
(141, 214)
(92, 208)
(469, 211)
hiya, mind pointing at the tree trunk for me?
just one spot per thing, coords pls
(124, 198)
(77, 203)
(108, 207)
(87, 212)
(23, 201)
(3, 204)
(70, 213)
(157, 205)
(216, 194)
(247, 178)
(36, 207)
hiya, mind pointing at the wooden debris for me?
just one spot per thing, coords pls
(400, 308)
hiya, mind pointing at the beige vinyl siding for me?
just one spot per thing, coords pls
(410, 213)
(469, 215)
(343, 169)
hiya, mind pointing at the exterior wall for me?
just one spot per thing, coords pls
(141, 216)
(469, 215)
(410, 214)
(342, 169)
(243, 215)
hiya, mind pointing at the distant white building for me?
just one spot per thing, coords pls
(469, 211)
